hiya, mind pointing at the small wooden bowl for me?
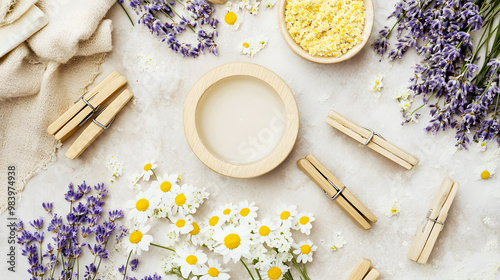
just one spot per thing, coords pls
(281, 150)
(297, 49)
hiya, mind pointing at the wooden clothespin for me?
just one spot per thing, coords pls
(85, 107)
(337, 192)
(101, 122)
(364, 271)
(371, 139)
(426, 236)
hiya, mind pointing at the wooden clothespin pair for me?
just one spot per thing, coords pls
(337, 192)
(371, 139)
(84, 108)
(364, 271)
(426, 236)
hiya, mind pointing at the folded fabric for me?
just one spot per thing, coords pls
(41, 78)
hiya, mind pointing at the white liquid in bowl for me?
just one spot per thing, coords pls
(240, 119)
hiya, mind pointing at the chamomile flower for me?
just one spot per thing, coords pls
(482, 146)
(164, 184)
(195, 235)
(233, 17)
(233, 243)
(303, 222)
(395, 209)
(286, 214)
(269, 3)
(182, 203)
(264, 230)
(246, 46)
(377, 84)
(245, 4)
(282, 239)
(138, 240)
(182, 225)
(304, 251)
(275, 271)
(214, 271)
(228, 211)
(190, 261)
(134, 181)
(148, 169)
(115, 166)
(405, 105)
(247, 212)
(142, 206)
(338, 241)
(254, 8)
(486, 172)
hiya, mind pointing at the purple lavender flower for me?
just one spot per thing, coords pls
(47, 206)
(133, 264)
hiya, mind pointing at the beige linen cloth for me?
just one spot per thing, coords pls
(42, 77)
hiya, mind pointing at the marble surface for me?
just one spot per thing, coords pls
(152, 128)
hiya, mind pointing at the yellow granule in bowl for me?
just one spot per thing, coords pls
(326, 28)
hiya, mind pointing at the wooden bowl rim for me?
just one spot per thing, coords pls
(283, 148)
(297, 49)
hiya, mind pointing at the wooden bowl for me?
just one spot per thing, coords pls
(297, 49)
(289, 120)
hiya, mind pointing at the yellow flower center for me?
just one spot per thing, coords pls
(142, 205)
(285, 215)
(264, 231)
(274, 273)
(180, 199)
(135, 237)
(214, 272)
(246, 45)
(394, 210)
(485, 174)
(304, 220)
(191, 259)
(232, 241)
(180, 223)
(165, 186)
(147, 167)
(244, 212)
(483, 144)
(213, 221)
(305, 249)
(196, 229)
(227, 211)
(230, 18)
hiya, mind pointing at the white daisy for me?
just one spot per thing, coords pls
(303, 222)
(182, 200)
(304, 251)
(233, 243)
(269, 3)
(190, 261)
(245, 47)
(482, 146)
(485, 172)
(214, 271)
(395, 209)
(134, 179)
(195, 235)
(148, 169)
(282, 239)
(338, 241)
(264, 230)
(182, 225)
(377, 85)
(233, 19)
(142, 207)
(166, 183)
(138, 240)
(228, 211)
(286, 214)
(247, 212)
(405, 105)
(254, 8)
(115, 166)
(275, 271)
